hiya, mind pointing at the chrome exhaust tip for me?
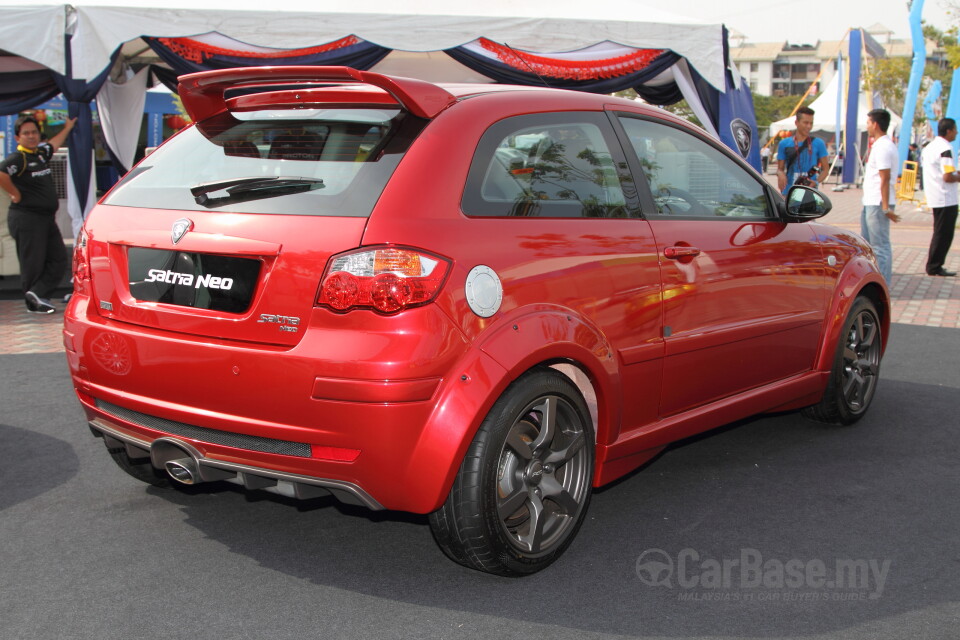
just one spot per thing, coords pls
(183, 470)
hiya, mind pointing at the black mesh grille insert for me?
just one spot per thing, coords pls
(203, 434)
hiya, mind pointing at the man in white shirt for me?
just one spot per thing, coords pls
(879, 191)
(941, 191)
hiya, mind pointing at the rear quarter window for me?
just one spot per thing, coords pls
(554, 165)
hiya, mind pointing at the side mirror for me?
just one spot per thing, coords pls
(805, 203)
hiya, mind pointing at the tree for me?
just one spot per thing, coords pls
(181, 110)
(770, 109)
(943, 39)
(889, 78)
(683, 110)
(946, 40)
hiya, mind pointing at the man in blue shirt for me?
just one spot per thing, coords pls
(802, 159)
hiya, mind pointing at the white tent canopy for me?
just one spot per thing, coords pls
(428, 25)
(34, 33)
(416, 33)
(825, 118)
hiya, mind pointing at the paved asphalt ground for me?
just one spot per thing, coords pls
(736, 533)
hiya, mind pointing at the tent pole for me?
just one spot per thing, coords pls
(858, 180)
(832, 165)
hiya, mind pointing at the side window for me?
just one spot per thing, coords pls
(691, 178)
(546, 165)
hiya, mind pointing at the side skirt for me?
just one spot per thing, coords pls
(636, 447)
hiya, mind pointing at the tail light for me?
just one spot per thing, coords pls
(385, 279)
(81, 264)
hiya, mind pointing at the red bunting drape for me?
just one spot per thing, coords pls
(197, 51)
(572, 69)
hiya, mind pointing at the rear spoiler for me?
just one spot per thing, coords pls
(203, 93)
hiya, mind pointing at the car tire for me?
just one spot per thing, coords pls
(856, 368)
(524, 486)
(142, 471)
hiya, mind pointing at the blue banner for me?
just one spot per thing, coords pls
(953, 107)
(154, 129)
(850, 163)
(916, 75)
(9, 141)
(159, 102)
(932, 96)
(838, 134)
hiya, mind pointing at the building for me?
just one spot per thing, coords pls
(785, 69)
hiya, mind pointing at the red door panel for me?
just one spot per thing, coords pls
(752, 288)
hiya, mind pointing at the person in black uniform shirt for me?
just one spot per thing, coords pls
(26, 176)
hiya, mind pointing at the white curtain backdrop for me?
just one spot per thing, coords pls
(681, 73)
(73, 201)
(121, 113)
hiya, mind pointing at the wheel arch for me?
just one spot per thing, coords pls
(859, 278)
(555, 339)
(580, 377)
(565, 341)
(881, 302)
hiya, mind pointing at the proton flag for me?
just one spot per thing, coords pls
(738, 123)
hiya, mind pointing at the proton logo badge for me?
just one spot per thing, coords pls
(742, 135)
(180, 228)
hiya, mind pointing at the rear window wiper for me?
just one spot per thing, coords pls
(252, 188)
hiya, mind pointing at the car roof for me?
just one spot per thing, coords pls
(463, 89)
(470, 90)
(204, 93)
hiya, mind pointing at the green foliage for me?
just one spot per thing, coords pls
(933, 72)
(770, 109)
(683, 110)
(943, 39)
(953, 55)
(178, 105)
(946, 40)
(889, 78)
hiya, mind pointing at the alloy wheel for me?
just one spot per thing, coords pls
(861, 361)
(543, 481)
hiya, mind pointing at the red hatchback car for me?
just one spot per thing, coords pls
(475, 302)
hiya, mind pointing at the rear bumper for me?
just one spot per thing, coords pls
(294, 421)
(286, 484)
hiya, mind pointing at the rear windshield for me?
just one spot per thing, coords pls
(328, 162)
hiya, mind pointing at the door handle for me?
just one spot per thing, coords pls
(677, 252)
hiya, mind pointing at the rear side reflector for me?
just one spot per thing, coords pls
(375, 391)
(337, 454)
(385, 279)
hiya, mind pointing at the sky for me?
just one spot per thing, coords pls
(796, 21)
(806, 21)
